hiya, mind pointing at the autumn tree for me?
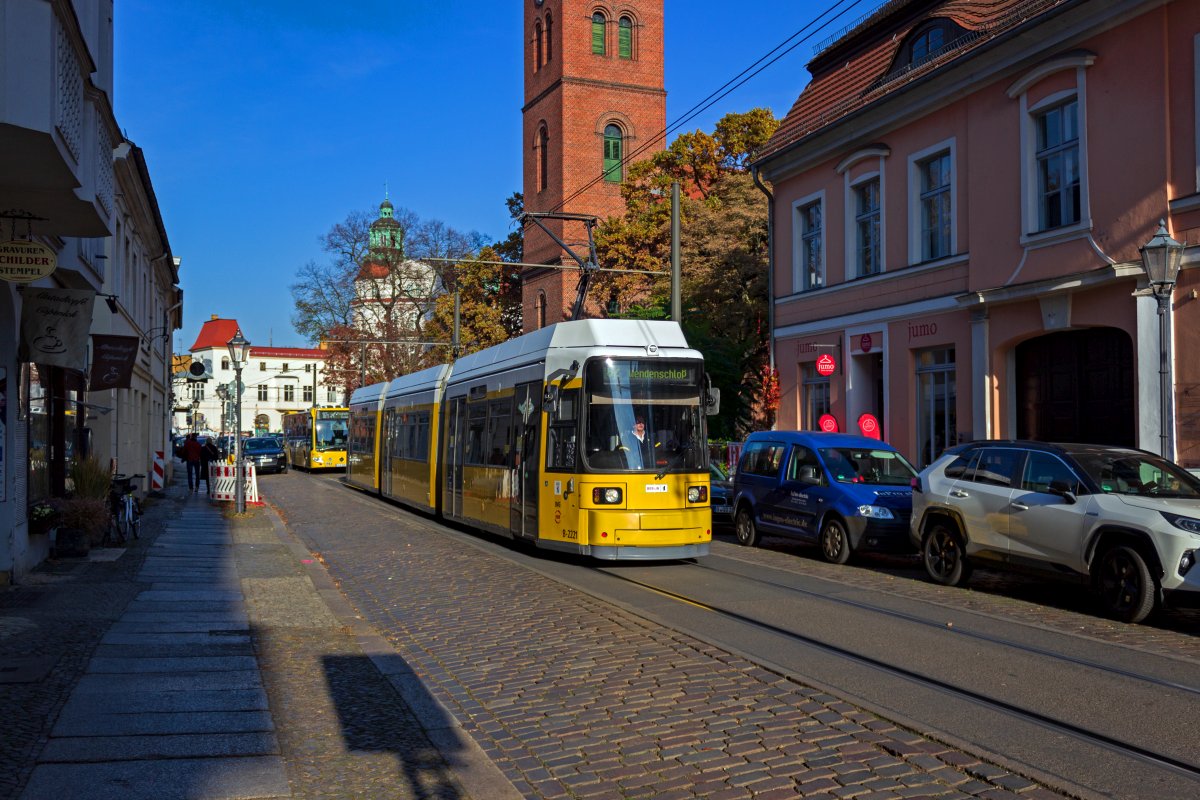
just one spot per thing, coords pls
(723, 231)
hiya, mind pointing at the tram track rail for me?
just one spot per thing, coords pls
(1181, 767)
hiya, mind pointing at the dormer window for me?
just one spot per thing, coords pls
(929, 40)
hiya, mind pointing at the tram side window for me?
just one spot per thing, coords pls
(499, 431)
(476, 429)
(421, 444)
(560, 444)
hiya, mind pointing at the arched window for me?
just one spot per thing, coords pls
(537, 45)
(543, 161)
(926, 43)
(599, 26)
(625, 38)
(612, 153)
(549, 38)
(539, 310)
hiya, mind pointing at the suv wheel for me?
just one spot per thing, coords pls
(745, 529)
(944, 556)
(835, 544)
(1124, 584)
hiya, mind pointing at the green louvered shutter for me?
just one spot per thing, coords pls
(625, 38)
(612, 154)
(598, 27)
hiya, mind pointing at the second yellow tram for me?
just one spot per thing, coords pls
(316, 438)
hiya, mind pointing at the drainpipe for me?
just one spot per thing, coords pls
(770, 264)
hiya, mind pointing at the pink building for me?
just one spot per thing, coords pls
(959, 199)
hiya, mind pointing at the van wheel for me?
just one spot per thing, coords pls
(745, 529)
(945, 557)
(1124, 585)
(835, 544)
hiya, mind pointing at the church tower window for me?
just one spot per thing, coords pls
(625, 38)
(612, 154)
(599, 28)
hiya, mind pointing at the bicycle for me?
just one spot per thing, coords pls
(125, 517)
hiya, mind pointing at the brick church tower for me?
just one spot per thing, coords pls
(594, 96)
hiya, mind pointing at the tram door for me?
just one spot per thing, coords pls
(385, 452)
(456, 442)
(526, 418)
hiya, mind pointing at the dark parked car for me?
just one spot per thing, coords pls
(846, 493)
(266, 453)
(721, 495)
(1124, 520)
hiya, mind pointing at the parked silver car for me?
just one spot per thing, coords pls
(1124, 520)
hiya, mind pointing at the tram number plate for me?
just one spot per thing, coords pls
(655, 488)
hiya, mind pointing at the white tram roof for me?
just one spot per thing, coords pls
(611, 336)
(420, 381)
(367, 394)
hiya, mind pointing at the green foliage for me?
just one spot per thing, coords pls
(90, 478)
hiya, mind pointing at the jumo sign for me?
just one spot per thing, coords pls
(24, 261)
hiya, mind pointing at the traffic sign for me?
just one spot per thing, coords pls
(826, 365)
(828, 423)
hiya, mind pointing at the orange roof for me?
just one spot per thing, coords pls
(854, 71)
(215, 333)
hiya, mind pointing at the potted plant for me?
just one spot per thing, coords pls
(81, 524)
(43, 517)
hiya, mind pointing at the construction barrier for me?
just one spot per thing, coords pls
(157, 472)
(222, 479)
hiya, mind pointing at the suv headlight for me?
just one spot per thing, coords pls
(1189, 524)
(875, 512)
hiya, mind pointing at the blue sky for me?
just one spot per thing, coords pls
(264, 123)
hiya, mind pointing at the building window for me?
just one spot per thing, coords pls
(936, 402)
(598, 30)
(549, 38)
(198, 391)
(814, 389)
(285, 367)
(307, 394)
(308, 367)
(289, 393)
(1058, 166)
(262, 393)
(262, 366)
(625, 38)
(812, 249)
(539, 310)
(866, 224)
(224, 363)
(927, 43)
(331, 395)
(537, 45)
(936, 212)
(612, 154)
(543, 161)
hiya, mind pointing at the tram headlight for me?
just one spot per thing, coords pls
(697, 494)
(606, 495)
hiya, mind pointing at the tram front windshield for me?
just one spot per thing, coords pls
(644, 415)
(331, 430)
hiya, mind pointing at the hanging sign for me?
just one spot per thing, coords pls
(828, 423)
(869, 426)
(54, 326)
(826, 365)
(112, 361)
(865, 343)
(23, 261)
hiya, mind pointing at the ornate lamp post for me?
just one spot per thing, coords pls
(1161, 256)
(223, 396)
(239, 352)
(196, 415)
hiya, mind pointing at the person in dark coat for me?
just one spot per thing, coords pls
(191, 456)
(209, 455)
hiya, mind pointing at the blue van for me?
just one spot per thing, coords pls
(847, 493)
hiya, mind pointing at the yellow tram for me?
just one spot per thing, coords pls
(316, 438)
(585, 436)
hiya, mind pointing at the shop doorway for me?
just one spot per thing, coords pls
(866, 395)
(1076, 386)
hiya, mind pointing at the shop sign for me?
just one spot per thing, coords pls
(826, 365)
(865, 343)
(828, 423)
(54, 326)
(23, 261)
(112, 361)
(869, 426)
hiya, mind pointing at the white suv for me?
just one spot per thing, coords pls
(1125, 520)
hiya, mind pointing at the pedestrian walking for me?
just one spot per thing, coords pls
(209, 455)
(192, 452)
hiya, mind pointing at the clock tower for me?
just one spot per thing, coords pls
(594, 102)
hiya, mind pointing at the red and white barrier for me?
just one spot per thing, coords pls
(158, 472)
(222, 478)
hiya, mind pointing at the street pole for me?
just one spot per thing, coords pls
(1164, 377)
(676, 304)
(239, 470)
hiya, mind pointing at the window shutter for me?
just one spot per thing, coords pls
(625, 38)
(598, 27)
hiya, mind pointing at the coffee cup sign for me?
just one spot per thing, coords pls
(869, 426)
(828, 423)
(826, 365)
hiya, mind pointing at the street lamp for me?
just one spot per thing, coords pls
(223, 396)
(195, 415)
(239, 353)
(1161, 256)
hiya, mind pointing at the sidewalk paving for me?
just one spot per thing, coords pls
(215, 659)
